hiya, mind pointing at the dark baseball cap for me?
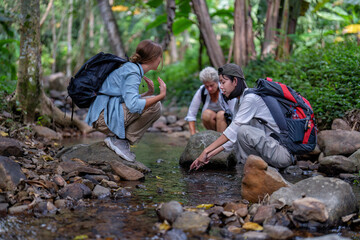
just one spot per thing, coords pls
(231, 69)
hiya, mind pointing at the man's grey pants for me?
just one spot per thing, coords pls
(252, 140)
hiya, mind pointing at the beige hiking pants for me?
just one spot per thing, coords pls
(135, 124)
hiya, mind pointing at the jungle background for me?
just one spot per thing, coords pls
(311, 45)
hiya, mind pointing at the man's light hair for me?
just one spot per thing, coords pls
(209, 74)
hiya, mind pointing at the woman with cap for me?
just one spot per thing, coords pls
(245, 131)
(214, 105)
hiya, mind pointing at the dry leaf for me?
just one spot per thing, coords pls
(206, 206)
(252, 226)
(4, 134)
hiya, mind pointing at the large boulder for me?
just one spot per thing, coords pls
(197, 143)
(337, 195)
(10, 174)
(260, 179)
(98, 154)
(338, 142)
(46, 133)
(335, 164)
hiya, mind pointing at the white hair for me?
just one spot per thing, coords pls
(209, 74)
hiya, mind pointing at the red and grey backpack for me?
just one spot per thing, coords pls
(292, 113)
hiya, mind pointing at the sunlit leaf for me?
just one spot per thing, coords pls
(181, 25)
(157, 177)
(47, 158)
(224, 13)
(183, 8)
(206, 206)
(81, 237)
(252, 226)
(120, 8)
(158, 21)
(330, 16)
(164, 226)
(353, 28)
(336, 9)
(4, 134)
(320, 5)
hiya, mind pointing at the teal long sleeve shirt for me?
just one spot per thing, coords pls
(121, 86)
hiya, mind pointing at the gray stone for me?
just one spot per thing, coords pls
(3, 208)
(10, 147)
(175, 234)
(170, 211)
(171, 119)
(72, 166)
(336, 164)
(197, 143)
(125, 172)
(338, 142)
(101, 192)
(336, 194)
(10, 174)
(98, 154)
(278, 232)
(252, 235)
(307, 209)
(47, 133)
(75, 191)
(264, 212)
(339, 124)
(192, 222)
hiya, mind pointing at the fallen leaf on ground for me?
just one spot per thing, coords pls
(252, 226)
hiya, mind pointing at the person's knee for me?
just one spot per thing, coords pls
(220, 116)
(208, 115)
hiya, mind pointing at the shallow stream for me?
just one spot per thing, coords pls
(134, 216)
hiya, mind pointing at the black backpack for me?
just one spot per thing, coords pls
(84, 86)
(292, 113)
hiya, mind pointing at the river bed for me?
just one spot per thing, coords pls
(134, 216)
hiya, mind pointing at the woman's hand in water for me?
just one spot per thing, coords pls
(200, 161)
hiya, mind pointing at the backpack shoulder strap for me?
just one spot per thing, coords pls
(203, 95)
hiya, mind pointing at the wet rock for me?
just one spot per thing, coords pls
(279, 219)
(3, 198)
(171, 119)
(197, 143)
(252, 235)
(122, 193)
(98, 178)
(125, 172)
(264, 212)
(338, 142)
(278, 232)
(335, 164)
(339, 124)
(10, 147)
(260, 179)
(336, 194)
(71, 166)
(304, 165)
(61, 203)
(101, 192)
(306, 209)
(175, 234)
(18, 209)
(98, 154)
(108, 184)
(46, 133)
(89, 184)
(59, 180)
(75, 191)
(3, 208)
(293, 170)
(44, 207)
(170, 211)
(192, 222)
(10, 174)
(333, 236)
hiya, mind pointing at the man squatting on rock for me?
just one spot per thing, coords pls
(119, 110)
(245, 133)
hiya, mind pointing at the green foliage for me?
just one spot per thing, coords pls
(328, 77)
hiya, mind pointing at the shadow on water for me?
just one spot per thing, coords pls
(134, 217)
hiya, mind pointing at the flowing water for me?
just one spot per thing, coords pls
(134, 216)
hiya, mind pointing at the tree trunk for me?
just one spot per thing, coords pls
(281, 53)
(269, 44)
(170, 10)
(244, 47)
(173, 50)
(91, 29)
(53, 31)
(82, 40)
(111, 27)
(69, 46)
(213, 48)
(295, 7)
(28, 85)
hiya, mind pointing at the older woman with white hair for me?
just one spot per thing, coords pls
(213, 114)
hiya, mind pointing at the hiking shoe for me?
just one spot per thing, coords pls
(121, 147)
